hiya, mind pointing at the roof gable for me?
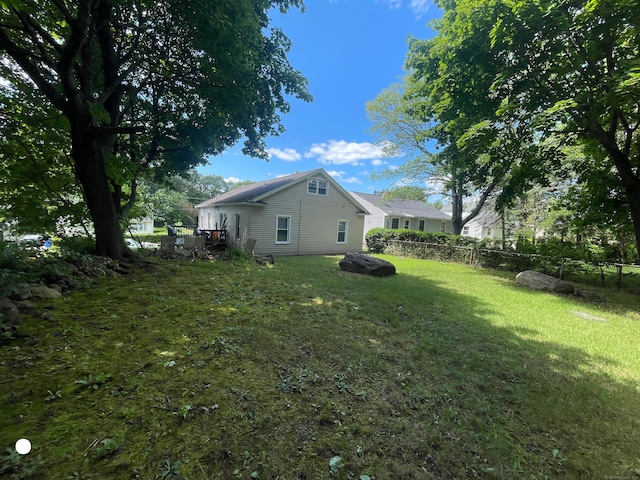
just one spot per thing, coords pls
(258, 192)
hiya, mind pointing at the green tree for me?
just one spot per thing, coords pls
(172, 200)
(405, 193)
(37, 185)
(441, 119)
(566, 70)
(148, 84)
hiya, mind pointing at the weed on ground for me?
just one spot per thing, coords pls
(234, 370)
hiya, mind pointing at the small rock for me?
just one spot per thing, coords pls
(9, 312)
(44, 292)
(20, 291)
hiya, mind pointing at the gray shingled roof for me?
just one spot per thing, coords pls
(404, 208)
(256, 192)
(252, 192)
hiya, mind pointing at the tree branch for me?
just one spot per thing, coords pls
(21, 57)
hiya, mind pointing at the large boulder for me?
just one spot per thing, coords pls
(367, 265)
(542, 281)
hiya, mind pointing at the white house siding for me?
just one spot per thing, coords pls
(430, 225)
(209, 219)
(141, 226)
(375, 220)
(314, 222)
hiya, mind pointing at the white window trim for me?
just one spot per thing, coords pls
(317, 191)
(407, 224)
(288, 241)
(392, 227)
(346, 232)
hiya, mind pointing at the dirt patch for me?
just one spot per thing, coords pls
(588, 316)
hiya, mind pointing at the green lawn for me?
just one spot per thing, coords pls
(230, 370)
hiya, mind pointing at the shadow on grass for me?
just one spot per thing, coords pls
(302, 371)
(466, 398)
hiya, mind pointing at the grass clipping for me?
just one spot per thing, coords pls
(299, 371)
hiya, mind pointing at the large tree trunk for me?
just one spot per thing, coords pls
(633, 194)
(627, 172)
(89, 154)
(456, 210)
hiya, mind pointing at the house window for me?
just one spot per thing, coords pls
(343, 230)
(283, 229)
(465, 231)
(406, 224)
(395, 223)
(443, 226)
(317, 187)
(237, 226)
(223, 221)
(421, 226)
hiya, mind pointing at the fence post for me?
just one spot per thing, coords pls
(619, 269)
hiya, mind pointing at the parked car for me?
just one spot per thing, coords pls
(35, 240)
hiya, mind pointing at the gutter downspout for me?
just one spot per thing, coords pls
(299, 225)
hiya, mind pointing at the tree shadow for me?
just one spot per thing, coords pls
(480, 399)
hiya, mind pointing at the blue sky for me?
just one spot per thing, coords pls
(349, 50)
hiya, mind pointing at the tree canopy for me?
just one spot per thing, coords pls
(142, 85)
(504, 86)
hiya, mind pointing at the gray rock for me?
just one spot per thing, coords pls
(44, 292)
(367, 265)
(9, 312)
(20, 291)
(542, 281)
(589, 295)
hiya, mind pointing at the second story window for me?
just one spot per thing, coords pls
(317, 187)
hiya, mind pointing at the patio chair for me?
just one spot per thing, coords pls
(167, 244)
(250, 245)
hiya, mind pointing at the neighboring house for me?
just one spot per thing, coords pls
(141, 226)
(397, 213)
(487, 224)
(301, 214)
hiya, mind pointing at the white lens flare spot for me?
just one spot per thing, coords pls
(23, 446)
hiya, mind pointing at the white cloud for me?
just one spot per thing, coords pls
(419, 7)
(340, 152)
(339, 175)
(336, 174)
(287, 154)
(232, 180)
(393, 4)
(351, 180)
(376, 162)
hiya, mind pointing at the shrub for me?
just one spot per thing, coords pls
(376, 240)
(82, 245)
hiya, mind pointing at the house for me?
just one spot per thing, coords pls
(141, 226)
(301, 214)
(486, 225)
(399, 213)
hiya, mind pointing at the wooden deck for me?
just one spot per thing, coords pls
(189, 237)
